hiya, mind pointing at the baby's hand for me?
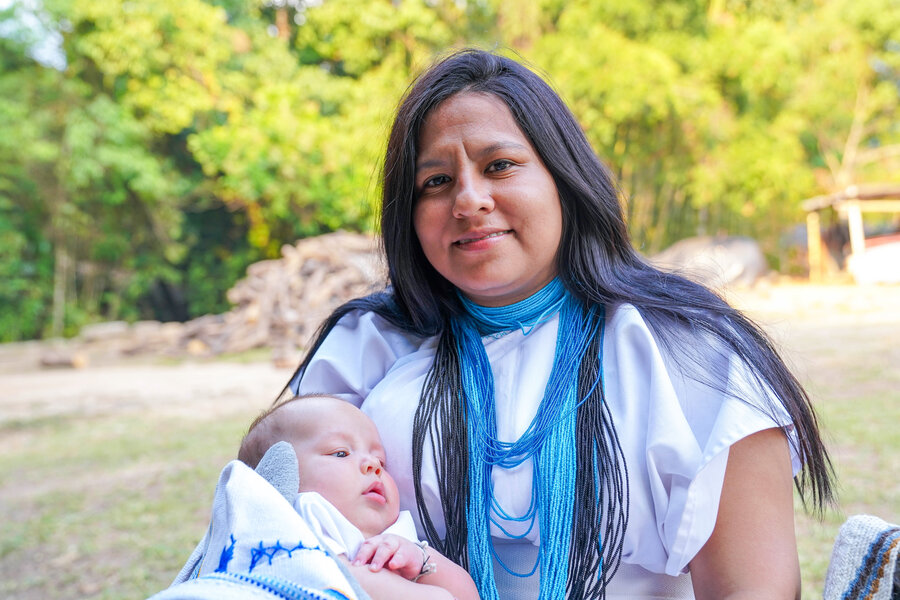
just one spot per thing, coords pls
(398, 554)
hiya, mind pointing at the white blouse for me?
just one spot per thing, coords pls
(674, 431)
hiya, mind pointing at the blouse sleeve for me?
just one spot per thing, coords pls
(676, 432)
(354, 357)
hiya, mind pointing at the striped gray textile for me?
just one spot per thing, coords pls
(864, 561)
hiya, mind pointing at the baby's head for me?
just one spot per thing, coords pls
(340, 456)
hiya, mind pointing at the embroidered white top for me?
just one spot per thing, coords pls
(675, 432)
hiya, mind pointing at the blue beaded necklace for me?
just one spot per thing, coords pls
(549, 440)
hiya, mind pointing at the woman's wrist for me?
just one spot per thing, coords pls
(428, 567)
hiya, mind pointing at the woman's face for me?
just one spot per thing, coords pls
(487, 212)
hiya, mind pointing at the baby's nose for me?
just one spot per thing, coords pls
(370, 465)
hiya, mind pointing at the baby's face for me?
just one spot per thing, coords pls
(341, 457)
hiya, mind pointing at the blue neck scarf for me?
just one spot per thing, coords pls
(549, 441)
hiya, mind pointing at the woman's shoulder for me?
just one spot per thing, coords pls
(355, 352)
(670, 332)
(625, 319)
(623, 312)
(362, 325)
(699, 370)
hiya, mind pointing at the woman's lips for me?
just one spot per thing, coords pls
(473, 241)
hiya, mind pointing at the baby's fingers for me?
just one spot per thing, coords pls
(406, 562)
(365, 552)
(382, 555)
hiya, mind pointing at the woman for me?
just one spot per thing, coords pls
(566, 420)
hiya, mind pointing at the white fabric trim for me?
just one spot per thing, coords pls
(338, 534)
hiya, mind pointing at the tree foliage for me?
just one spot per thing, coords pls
(181, 140)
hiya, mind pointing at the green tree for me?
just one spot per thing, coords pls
(26, 263)
(642, 109)
(182, 140)
(300, 156)
(723, 116)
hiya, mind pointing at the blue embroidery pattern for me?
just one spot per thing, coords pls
(268, 552)
(226, 556)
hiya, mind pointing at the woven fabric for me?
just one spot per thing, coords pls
(864, 560)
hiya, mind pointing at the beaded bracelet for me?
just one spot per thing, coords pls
(427, 567)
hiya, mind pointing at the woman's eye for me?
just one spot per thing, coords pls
(435, 181)
(499, 165)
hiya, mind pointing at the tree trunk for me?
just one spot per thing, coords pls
(60, 279)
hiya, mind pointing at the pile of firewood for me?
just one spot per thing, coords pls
(279, 304)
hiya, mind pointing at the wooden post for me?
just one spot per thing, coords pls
(814, 246)
(857, 235)
(282, 24)
(60, 283)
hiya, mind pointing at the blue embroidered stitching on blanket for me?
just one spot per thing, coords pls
(258, 546)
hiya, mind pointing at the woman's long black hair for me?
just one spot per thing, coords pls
(596, 262)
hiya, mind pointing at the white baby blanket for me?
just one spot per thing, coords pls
(259, 546)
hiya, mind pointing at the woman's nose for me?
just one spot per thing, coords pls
(472, 197)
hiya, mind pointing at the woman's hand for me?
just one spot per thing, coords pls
(752, 552)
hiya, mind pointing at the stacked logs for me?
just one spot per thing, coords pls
(279, 304)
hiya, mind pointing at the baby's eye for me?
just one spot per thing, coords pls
(499, 165)
(435, 181)
(340, 454)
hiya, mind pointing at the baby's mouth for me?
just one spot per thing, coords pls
(376, 492)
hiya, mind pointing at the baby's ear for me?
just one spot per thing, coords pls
(279, 467)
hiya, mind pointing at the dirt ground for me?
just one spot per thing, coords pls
(184, 389)
(110, 383)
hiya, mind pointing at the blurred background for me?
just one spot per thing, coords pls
(174, 176)
(151, 150)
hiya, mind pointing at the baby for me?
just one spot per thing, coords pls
(341, 466)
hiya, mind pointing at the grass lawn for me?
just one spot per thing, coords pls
(106, 507)
(108, 504)
(853, 373)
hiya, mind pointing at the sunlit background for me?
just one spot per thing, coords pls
(152, 150)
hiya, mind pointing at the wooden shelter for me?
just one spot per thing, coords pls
(850, 204)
